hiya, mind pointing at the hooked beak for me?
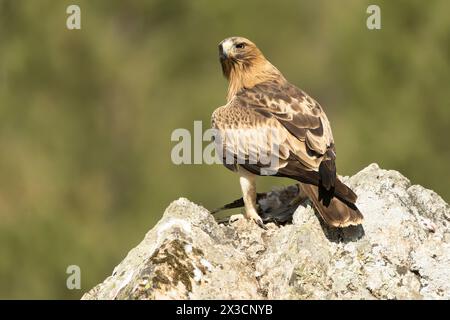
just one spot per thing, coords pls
(224, 49)
(222, 54)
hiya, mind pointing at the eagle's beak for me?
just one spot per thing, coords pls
(224, 49)
(222, 53)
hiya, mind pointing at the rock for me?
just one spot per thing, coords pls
(402, 251)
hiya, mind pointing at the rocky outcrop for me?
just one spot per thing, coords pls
(402, 250)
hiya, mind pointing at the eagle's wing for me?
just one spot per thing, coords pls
(301, 115)
(275, 120)
(311, 138)
(244, 136)
(298, 120)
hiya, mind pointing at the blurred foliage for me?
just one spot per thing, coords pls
(86, 116)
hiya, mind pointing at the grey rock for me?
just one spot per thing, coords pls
(402, 250)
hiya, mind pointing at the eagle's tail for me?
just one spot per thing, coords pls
(334, 210)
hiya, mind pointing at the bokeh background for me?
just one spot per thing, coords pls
(86, 116)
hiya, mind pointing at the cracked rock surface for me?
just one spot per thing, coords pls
(402, 251)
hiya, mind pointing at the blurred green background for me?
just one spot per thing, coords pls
(86, 116)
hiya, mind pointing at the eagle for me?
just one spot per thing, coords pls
(265, 115)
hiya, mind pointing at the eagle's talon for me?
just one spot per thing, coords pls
(261, 224)
(257, 219)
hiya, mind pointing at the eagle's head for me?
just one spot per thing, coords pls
(238, 53)
(244, 65)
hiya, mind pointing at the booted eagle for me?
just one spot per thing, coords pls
(268, 117)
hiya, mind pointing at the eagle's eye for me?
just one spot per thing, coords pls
(240, 45)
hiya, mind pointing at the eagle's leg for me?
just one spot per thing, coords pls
(248, 186)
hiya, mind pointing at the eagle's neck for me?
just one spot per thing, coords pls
(248, 75)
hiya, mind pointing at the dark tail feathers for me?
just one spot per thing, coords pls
(336, 211)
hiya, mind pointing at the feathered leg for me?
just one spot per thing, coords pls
(248, 186)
